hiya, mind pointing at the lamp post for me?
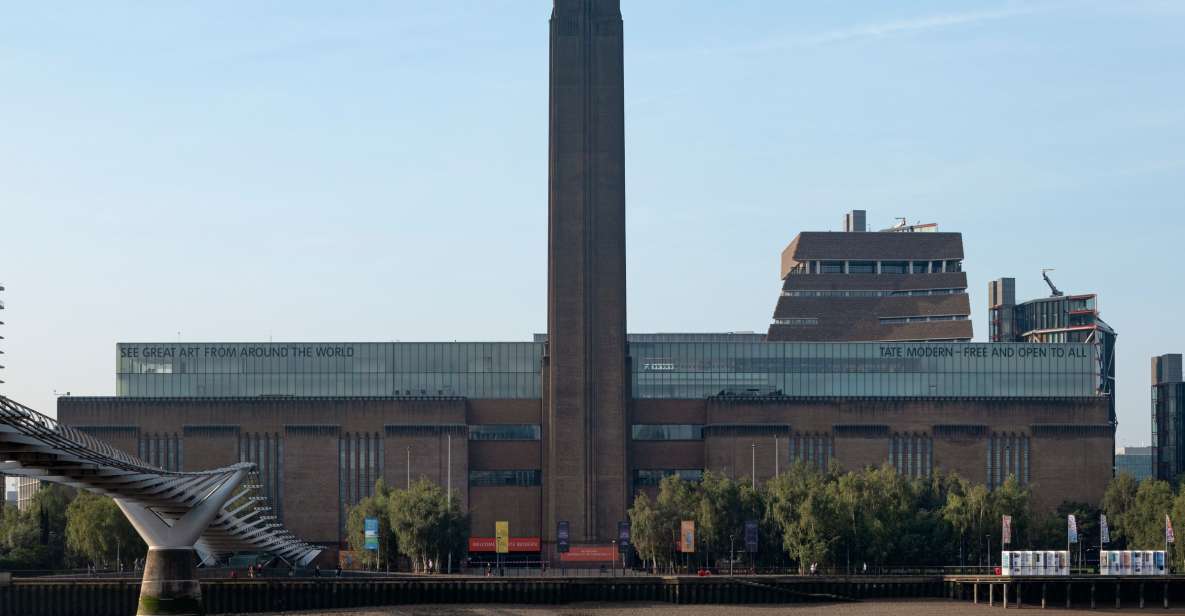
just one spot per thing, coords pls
(409, 467)
(754, 465)
(448, 496)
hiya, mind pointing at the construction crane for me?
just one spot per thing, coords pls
(1054, 292)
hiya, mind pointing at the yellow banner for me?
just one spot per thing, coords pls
(687, 537)
(502, 537)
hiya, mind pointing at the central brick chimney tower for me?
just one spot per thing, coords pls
(586, 377)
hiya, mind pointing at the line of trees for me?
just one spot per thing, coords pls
(843, 520)
(421, 523)
(63, 529)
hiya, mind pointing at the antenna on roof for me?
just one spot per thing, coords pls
(1053, 289)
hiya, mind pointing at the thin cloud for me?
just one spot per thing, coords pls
(862, 32)
(917, 24)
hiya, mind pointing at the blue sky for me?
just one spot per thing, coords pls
(377, 171)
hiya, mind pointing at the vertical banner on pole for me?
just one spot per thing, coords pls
(561, 536)
(1071, 529)
(371, 534)
(623, 537)
(1104, 530)
(502, 537)
(687, 537)
(1006, 530)
(751, 536)
(1168, 530)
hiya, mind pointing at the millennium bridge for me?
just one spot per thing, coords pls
(184, 517)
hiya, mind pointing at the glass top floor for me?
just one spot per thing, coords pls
(658, 369)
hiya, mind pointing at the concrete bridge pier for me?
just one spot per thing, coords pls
(170, 586)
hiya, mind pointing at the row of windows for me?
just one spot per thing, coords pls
(814, 450)
(473, 385)
(365, 357)
(1007, 455)
(668, 432)
(881, 267)
(360, 458)
(696, 370)
(266, 452)
(869, 293)
(922, 318)
(808, 321)
(505, 432)
(654, 476)
(161, 450)
(526, 478)
(912, 455)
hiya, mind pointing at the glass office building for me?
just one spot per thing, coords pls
(686, 370)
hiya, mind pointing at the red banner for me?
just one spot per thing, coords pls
(517, 544)
(590, 553)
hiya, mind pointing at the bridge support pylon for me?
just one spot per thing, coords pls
(170, 586)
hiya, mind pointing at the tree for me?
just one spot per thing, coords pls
(1144, 523)
(1119, 503)
(426, 525)
(724, 507)
(808, 516)
(650, 537)
(99, 532)
(375, 506)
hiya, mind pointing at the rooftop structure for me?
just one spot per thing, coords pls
(1059, 318)
(903, 284)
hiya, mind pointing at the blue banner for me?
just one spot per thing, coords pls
(751, 536)
(371, 530)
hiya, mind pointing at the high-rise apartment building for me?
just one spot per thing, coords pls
(902, 284)
(1168, 428)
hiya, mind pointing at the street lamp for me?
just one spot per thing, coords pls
(754, 465)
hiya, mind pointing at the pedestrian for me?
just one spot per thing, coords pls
(316, 570)
(865, 568)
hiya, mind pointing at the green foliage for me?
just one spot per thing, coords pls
(99, 532)
(843, 520)
(36, 538)
(1144, 523)
(425, 524)
(1119, 503)
(377, 506)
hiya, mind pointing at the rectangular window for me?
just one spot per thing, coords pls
(799, 322)
(954, 266)
(505, 432)
(861, 267)
(921, 267)
(831, 267)
(653, 477)
(668, 432)
(506, 478)
(894, 267)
